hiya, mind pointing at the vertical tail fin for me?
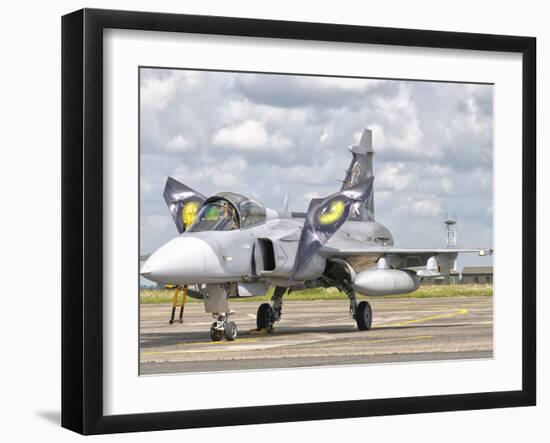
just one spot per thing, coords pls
(359, 171)
(284, 212)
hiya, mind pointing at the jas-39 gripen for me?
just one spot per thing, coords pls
(231, 245)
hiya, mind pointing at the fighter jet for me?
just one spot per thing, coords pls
(231, 245)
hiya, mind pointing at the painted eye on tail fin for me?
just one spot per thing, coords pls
(325, 216)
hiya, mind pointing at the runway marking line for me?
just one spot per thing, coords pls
(237, 340)
(433, 317)
(366, 342)
(382, 340)
(183, 351)
(195, 351)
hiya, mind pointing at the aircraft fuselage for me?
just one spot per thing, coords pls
(263, 252)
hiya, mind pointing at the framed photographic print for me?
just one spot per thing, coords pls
(269, 221)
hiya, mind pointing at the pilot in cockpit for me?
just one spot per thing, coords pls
(216, 216)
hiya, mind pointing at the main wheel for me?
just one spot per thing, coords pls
(215, 334)
(264, 317)
(230, 331)
(363, 316)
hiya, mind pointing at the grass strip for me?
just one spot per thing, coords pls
(429, 291)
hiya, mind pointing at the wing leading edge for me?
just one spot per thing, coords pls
(361, 250)
(361, 256)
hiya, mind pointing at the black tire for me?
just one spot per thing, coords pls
(215, 334)
(363, 316)
(230, 331)
(264, 317)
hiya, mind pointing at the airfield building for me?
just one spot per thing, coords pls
(477, 275)
(452, 279)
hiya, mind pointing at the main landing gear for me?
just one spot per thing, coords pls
(223, 327)
(362, 312)
(339, 274)
(267, 315)
(363, 316)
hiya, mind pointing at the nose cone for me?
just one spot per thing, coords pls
(180, 261)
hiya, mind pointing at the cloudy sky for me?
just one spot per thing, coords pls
(266, 135)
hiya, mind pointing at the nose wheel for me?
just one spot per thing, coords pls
(230, 331)
(215, 333)
(223, 328)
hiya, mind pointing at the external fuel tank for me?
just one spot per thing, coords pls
(386, 281)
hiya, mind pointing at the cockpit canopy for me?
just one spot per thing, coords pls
(228, 210)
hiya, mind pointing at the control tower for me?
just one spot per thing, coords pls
(450, 224)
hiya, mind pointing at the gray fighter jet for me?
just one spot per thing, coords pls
(231, 245)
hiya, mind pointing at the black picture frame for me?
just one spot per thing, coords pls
(82, 216)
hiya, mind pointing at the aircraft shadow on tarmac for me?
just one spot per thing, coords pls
(151, 340)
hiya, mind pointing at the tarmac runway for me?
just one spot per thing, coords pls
(319, 333)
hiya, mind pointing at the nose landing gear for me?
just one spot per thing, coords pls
(216, 302)
(223, 327)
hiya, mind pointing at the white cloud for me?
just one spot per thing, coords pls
(446, 185)
(239, 109)
(156, 91)
(399, 129)
(215, 176)
(421, 207)
(250, 135)
(324, 136)
(437, 170)
(156, 223)
(227, 174)
(338, 84)
(179, 144)
(393, 177)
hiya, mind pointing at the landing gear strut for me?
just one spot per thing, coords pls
(267, 315)
(223, 327)
(348, 290)
(361, 313)
(216, 302)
